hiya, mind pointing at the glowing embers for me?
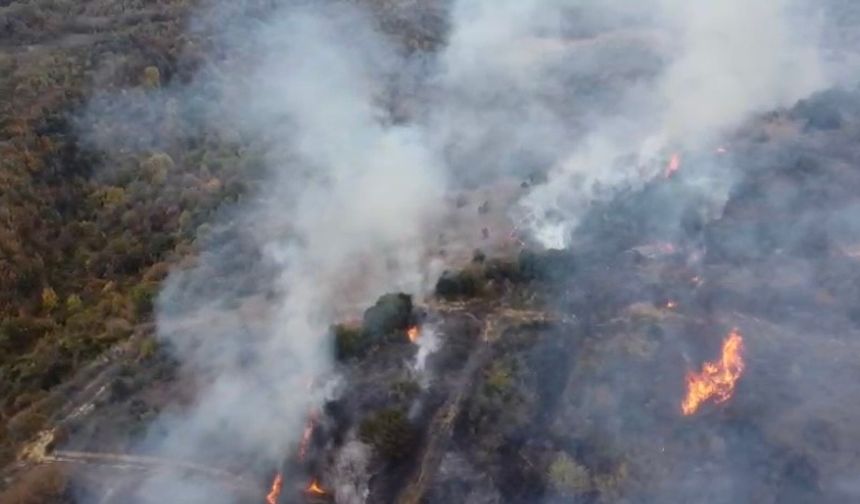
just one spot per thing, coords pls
(672, 166)
(413, 333)
(716, 382)
(314, 488)
(275, 492)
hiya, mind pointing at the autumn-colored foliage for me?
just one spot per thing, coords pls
(88, 231)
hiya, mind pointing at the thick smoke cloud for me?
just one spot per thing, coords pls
(587, 97)
(348, 199)
(718, 65)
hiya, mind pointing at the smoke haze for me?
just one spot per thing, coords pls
(581, 99)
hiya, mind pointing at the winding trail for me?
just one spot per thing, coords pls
(137, 463)
(442, 425)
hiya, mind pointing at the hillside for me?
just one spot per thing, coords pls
(85, 237)
(479, 251)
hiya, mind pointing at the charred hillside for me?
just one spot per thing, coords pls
(570, 371)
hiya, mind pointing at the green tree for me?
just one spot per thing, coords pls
(567, 477)
(157, 166)
(74, 303)
(389, 432)
(142, 296)
(151, 77)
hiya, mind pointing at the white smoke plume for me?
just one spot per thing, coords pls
(428, 343)
(690, 72)
(340, 221)
(350, 473)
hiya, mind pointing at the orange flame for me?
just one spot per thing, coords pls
(717, 379)
(671, 305)
(673, 165)
(413, 333)
(275, 492)
(315, 488)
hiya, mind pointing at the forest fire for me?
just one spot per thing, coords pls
(717, 379)
(275, 492)
(314, 488)
(673, 166)
(413, 333)
(671, 305)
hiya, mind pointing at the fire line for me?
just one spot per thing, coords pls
(275, 492)
(315, 488)
(718, 379)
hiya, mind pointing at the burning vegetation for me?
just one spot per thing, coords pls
(717, 380)
(413, 333)
(314, 488)
(275, 492)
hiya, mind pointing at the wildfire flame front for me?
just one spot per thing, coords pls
(717, 379)
(275, 492)
(315, 488)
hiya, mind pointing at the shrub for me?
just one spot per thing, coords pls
(147, 347)
(458, 285)
(142, 296)
(498, 269)
(392, 314)
(151, 77)
(73, 303)
(498, 378)
(157, 166)
(610, 485)
(568, 477)
(20, 333)
(349, 342)
(389, 432)
(49, 299)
